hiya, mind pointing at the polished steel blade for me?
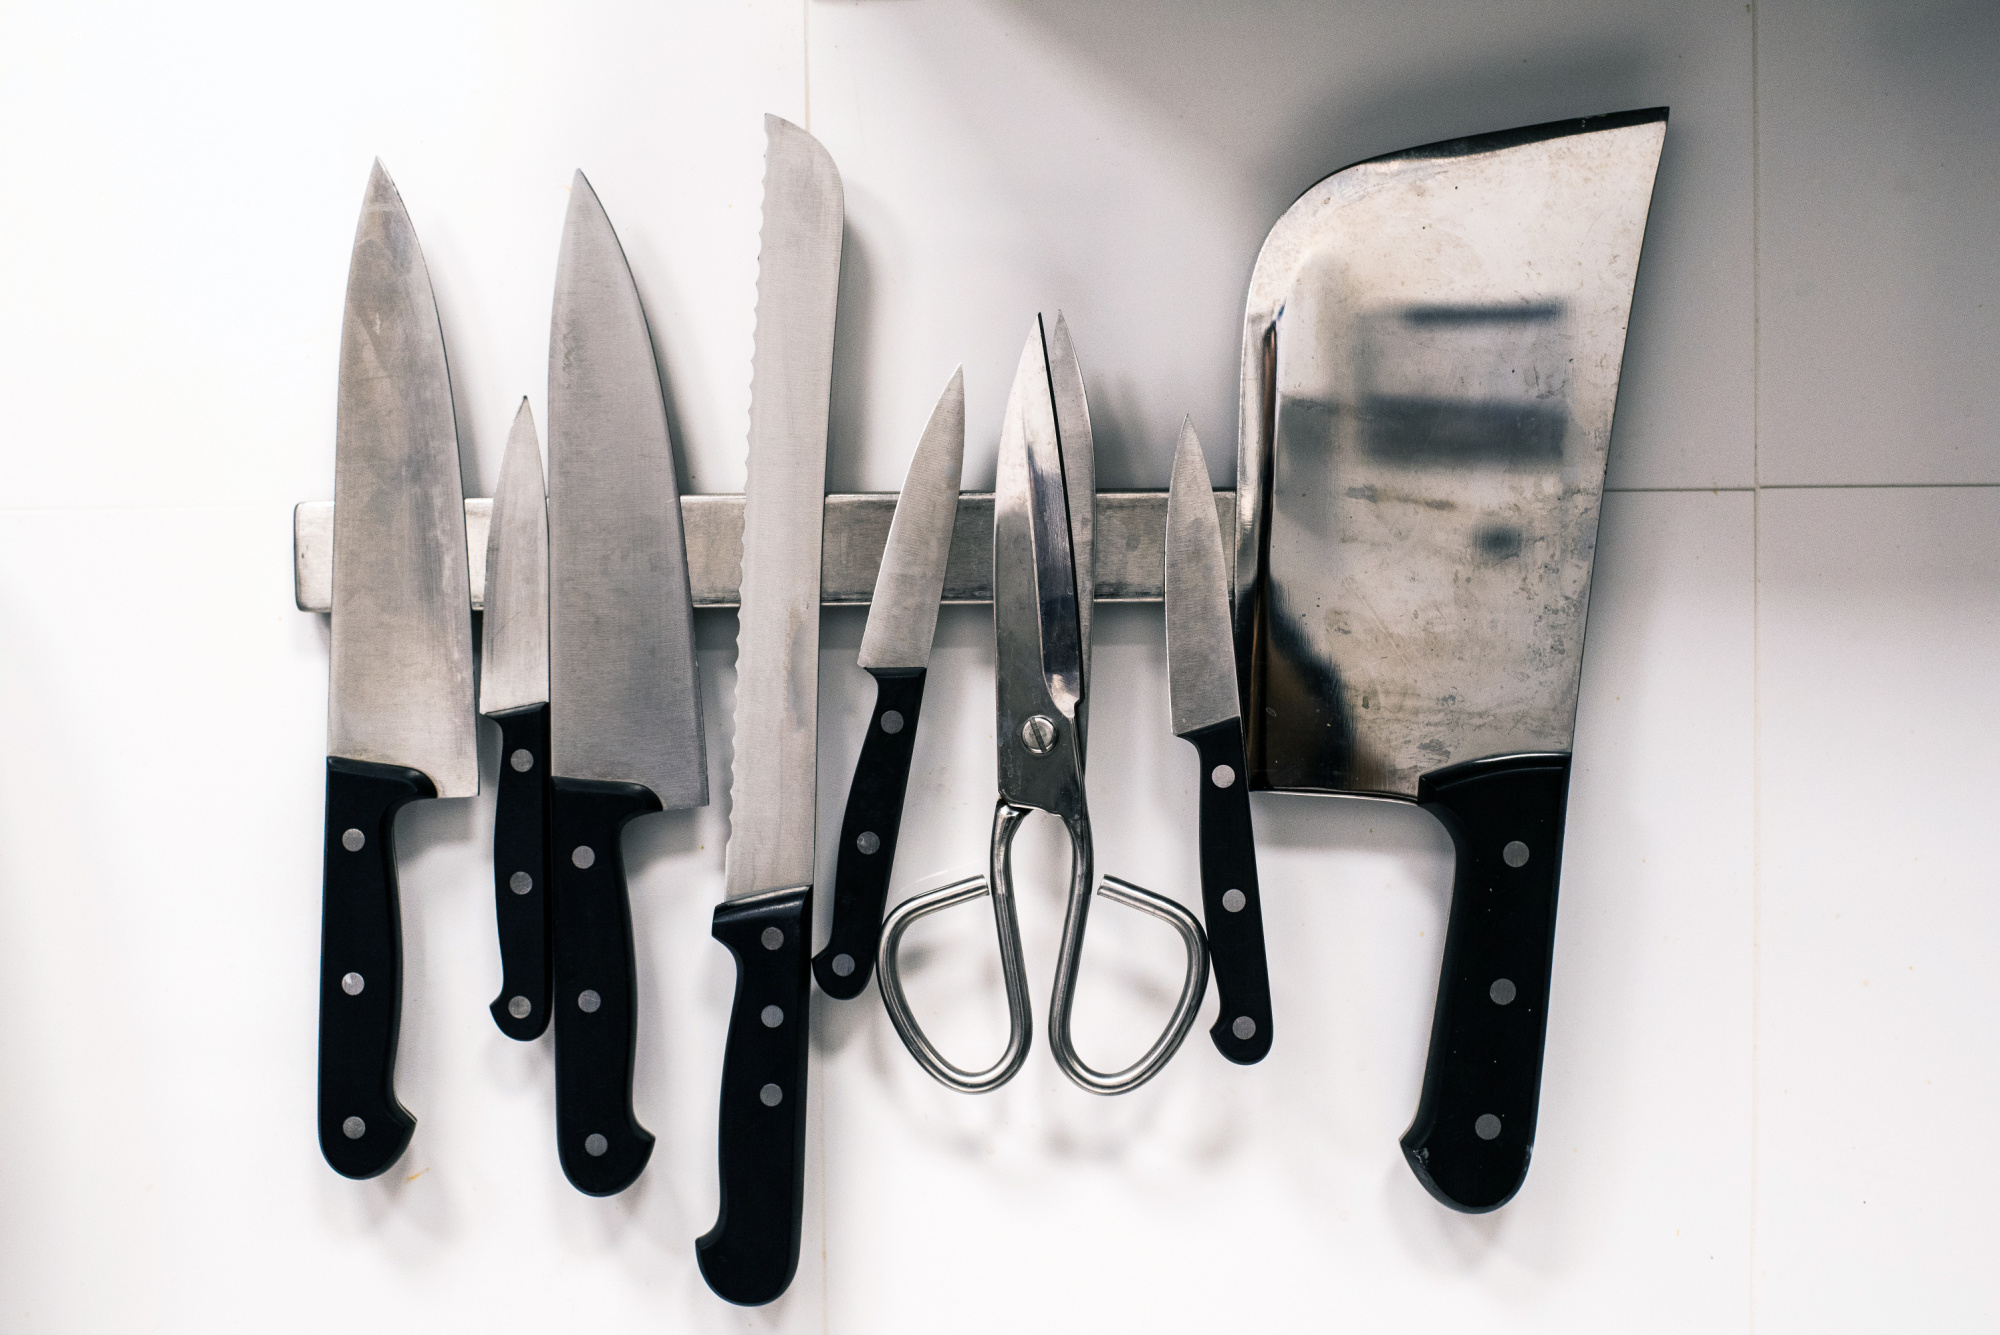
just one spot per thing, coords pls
(624, 700)
(514, 667)
(400, 690)
(1201, 658)
(772, 798)
(1079, 460)
(1431, 353)
(902, 616)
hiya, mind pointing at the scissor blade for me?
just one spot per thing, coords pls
(902, 616)
(1079, 464)
(1034, 582)
(401, 679)
(1201, 658)
(514, 670)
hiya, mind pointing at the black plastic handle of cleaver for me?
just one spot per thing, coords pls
(521, 872)
(362, 1127)
(868, 835)
(750, 1255)
(1242, 1029)
(1474, 1131)
(600, 1142)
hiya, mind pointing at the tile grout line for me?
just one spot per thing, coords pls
(1756, 673)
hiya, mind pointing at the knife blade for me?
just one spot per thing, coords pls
(896, 651)
(624, 698)
(1431, 351)
(399, 719)
(751, 1253)
(514, 693)
(1201, 692)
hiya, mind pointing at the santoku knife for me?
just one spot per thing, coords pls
(514, 693)
(399, 707)
(1201, 682)
(624, 701)
(896, 651)
(751, 1253)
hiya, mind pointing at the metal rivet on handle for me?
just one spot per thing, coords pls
(1038, 734)
(519, 1007)
(843, 965)
(1487, 1127)
(520, 883)
(353, 841)
(352, 984)
(772, 938)
(1515, 854)
(892, 722)
(1222, 776)
(584, 856)
(772, 1017)
(588, 1001)
(522, 760)
(1234, 900)
(868, 841)
(770, 1096)
(1502, 991)
(594, 1145)
(1244, 1028)
(354, 1128)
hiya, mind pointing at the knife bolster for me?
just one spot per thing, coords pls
(1474, 1130)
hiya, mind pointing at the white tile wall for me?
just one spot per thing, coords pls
(1771, 1052)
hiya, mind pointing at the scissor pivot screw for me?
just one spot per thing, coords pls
(1038, 734)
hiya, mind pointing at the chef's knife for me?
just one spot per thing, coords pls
(624, 701)
(1431, 351)
(399, 703)
(896, 651)
(514, 693)
(751, 1253)
(1201, 687)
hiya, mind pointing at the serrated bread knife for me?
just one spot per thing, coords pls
(624, 700)
(750, 1255)
(399, 700)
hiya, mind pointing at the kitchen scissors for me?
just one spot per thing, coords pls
(1039, 611)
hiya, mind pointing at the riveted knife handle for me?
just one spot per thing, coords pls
(600, 1142)
(362, 1127)
(750, 1255)
(1231, 907)
(868, 835)
(521, 872)
(1474, 1131)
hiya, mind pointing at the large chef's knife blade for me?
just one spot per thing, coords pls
(896, 651)
(399, 708)
(514, 693)
(1431, 350)
(751, 1253)
(1201, 683)
(624, 702)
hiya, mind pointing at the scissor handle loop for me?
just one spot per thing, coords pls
(1013, 971)
(1193, 987)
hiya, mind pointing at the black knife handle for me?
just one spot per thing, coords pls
(750, 1255)
(601, 1144)
(1232, 911)
(362, 1128)
(868, 835)
(1475, 1125)
(521, 872)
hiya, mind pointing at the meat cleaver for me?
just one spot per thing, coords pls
(1431, 350)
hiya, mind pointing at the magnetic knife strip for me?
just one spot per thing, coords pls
(1129, 540)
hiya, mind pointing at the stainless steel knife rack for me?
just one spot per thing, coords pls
(1129, 537)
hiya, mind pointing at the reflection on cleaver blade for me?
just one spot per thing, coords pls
(1431, 352)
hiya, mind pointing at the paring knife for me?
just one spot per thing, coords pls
(1201, 678)
(896, 651)
(624, 700)
(399, 707)
(750, 1255)
(514, 693)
